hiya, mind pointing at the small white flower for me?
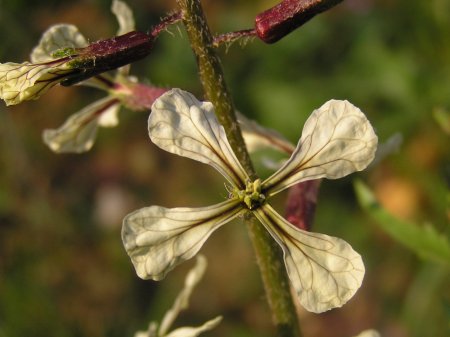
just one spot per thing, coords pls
(55, 60)
(181, 303)
(79, 131)
(337, 140)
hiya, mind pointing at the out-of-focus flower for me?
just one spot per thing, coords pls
(64, 56)
(369, 333)
(181, 303)
(78, 133)
(337, 140)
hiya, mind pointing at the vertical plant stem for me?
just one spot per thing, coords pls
(269, 254)
(212, 78)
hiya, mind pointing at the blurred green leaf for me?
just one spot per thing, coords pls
(425, 241)
(442, 117)
(425, 300)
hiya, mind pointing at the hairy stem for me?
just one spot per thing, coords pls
(212, 78)
(269, 254)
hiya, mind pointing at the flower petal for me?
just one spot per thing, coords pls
(55, 38)
(109, 118)
(325, 271)
(124, 16)
(182, 125)
(151, 331)
(78, 133)
(337, 140)
(27, 81)
(182, 301)
(194, 332)
(157, 239)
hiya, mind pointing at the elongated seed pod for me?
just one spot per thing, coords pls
(278, 21)
(109, 54)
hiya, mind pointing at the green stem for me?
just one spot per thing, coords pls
(212, 78)
(269, 254)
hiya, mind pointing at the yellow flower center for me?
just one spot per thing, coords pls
(251, 196)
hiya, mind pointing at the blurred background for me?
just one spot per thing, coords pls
(63, 269)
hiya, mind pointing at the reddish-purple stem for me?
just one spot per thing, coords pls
(233, 36)
(165, 22)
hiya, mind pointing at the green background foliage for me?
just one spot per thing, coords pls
(63, 270)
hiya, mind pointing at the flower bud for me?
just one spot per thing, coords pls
(288, 15)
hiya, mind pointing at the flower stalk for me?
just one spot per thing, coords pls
(268, 253)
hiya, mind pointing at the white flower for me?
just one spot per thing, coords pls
(337, 140)
(181, 303)
(79, 131)
(55, 60)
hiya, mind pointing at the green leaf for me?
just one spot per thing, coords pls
(425, 241)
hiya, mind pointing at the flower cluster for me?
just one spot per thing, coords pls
(337, 140)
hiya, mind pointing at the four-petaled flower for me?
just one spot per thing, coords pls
(337, 140)
(181, 303)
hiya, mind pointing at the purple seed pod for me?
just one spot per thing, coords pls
(276, 22)
(109, 54)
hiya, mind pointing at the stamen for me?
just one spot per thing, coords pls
(251, 196)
